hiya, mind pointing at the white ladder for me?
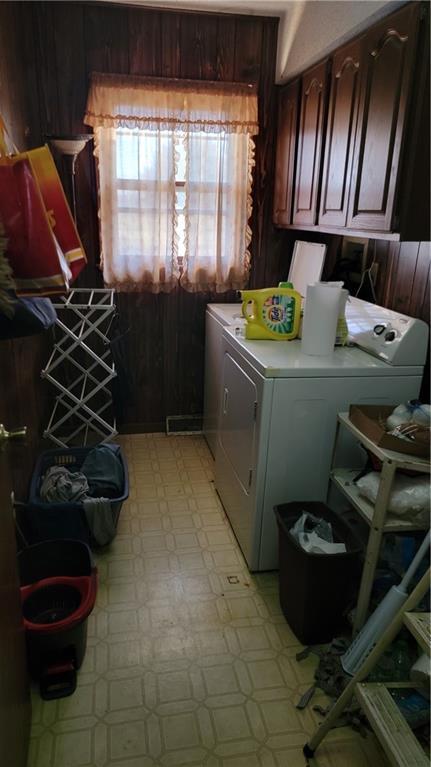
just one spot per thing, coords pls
(81, 367)
(400, 744)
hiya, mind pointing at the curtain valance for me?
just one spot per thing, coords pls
(127, 101)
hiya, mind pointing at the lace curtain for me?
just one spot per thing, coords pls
(175, 160)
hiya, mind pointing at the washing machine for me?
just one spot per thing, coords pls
(305, 268)
(278, 415)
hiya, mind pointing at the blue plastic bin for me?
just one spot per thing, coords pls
(42, 521)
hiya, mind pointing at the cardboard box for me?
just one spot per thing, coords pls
(371, 419)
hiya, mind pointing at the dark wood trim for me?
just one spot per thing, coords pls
(150, 427)
(345, 232)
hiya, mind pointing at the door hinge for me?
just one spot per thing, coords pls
(255, 411)
(250, 477)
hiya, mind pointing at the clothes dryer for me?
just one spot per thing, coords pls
(278, 415)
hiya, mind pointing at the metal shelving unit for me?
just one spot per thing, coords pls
(81, 369)
(377, 516)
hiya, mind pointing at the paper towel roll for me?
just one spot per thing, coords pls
(322, 304)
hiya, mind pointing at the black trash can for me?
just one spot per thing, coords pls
(315, 589)
(38, 523)
(58, 591)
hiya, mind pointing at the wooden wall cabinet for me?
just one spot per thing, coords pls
(372, 174)
(387, 67)
(310, 135)
(340, 135)
(285, 155)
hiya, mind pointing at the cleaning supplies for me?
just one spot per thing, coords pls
(271, 313)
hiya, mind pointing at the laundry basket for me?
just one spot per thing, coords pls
(39, 520)
(315, 589)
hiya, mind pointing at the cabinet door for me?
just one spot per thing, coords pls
(387, 56)
(340, 135)
(285, 158)
(309, 145)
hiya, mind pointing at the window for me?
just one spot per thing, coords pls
(175, 164)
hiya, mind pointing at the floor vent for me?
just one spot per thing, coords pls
(184, 424)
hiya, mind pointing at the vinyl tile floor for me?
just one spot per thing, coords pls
(190, 662)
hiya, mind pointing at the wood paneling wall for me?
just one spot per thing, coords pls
(161, 351)
(24, 398)
(403, 284)
(43, 87)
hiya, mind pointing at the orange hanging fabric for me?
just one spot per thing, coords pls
(45, 173)
(44, 248)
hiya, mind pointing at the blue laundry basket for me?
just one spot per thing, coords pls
(42, 521)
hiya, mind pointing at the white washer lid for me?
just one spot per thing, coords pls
(227, 314)
(307, 265)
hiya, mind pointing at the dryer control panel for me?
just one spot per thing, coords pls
(393, 337)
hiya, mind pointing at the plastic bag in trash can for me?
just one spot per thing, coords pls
(314, 535)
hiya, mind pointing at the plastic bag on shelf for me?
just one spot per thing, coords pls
(410, 496)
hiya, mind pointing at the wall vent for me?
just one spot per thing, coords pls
(184, 424)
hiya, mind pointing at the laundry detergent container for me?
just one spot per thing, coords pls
(315, 589)
(58, 586)
(40, 520)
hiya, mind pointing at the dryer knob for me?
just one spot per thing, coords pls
(378, 329)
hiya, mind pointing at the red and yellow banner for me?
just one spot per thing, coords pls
(43, 245)
(45, 172)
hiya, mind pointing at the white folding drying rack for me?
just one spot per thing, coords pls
(81, 367)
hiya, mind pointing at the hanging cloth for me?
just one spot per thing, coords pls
(175, 160)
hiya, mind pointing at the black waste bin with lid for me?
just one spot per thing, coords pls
(58, 590)
(315, 589)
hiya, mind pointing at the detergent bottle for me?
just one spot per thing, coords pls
(271, 313)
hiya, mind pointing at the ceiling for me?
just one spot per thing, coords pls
(249, 7)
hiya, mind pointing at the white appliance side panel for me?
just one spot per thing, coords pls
(238, 419)
(302, 432)
(213, 363)
(242, 438)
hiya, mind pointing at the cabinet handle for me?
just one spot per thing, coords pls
(225, 400)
